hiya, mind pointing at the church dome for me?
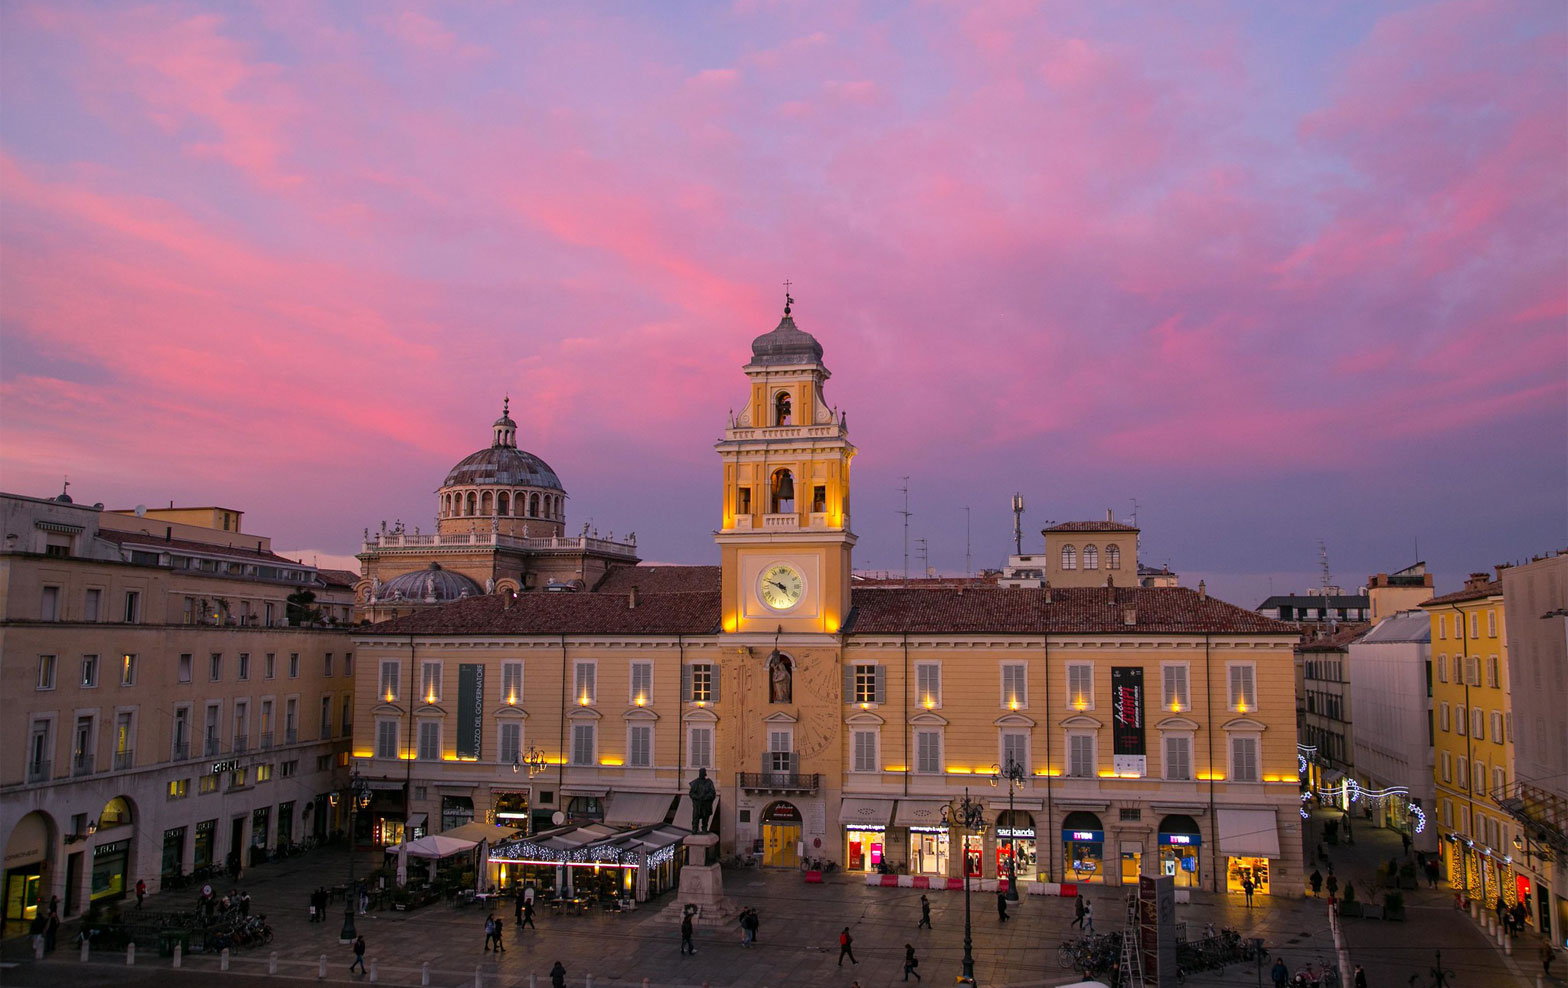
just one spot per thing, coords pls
(786, 345)
(430, 582)
(503, 466)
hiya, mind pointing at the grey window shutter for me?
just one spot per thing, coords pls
(849, 682)
(767, 761)
(713, 680)
(685, 684)
(794, 762)
(881, 688)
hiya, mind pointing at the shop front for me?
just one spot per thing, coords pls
(1248, 844)
(865, 823)
(111, 863)
(260, 827)
(1181, 847)
(456, 811)
(1083, 848)
(26, 850)
(1015, 846)
(592, 863)
(285, 824)
(173, 851)
(384, 821)
(928, 838)
(781, 835)
(510, 808)
(201, 855)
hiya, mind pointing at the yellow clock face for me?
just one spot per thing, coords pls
(780, 586)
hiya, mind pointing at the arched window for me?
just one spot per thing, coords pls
(549, 506)
(503, 504)
(1091, 557)
(485, 504)
(781, 408)
(1113, 557)
(471, 501)
(519, 503)
(533, 505)
(1069, 557)
(783, 493)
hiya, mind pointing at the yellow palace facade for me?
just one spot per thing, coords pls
(1144, 729)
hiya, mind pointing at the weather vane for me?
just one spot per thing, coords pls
(789, 299)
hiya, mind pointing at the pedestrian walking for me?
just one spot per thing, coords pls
(925, 912)
(687, 947)
(1361, 977)
(1501, 908)
(1431, 872)
(51, 928)
(911, 962)
(1404, 839)
(1521, 915)
(500, 928)
(141, 892)
(489, 931)
(1547, 956)
(359, 956)
(1247, 888)
(528, 914)
(1078, 908)
(517, 911)
(1333, 884)
(753, 921)
(745, 934)
(1317, 881)
(364, 900)
(1001, 907)
(1088, 916)
(245, 904)
(40, 921)
(1279, 972)
(845, 945)
(558, 976)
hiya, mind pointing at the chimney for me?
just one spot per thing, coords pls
(1499, 570)
(506, 600)
(631, 598)
(1203, 590)
(1476, 581)
(1130, 617)
(1109, 516)
(168, 533)
(1047, 591)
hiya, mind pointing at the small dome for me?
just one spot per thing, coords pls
(786, 345)
(430, 582)
(63, 498)
(502, 466)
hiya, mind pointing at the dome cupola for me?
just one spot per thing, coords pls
(501, 484)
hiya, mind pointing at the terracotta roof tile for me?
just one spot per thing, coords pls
(1090, 526)
(660, 579)
(557, 613)
(152, 543)
(1491, 589)
(1073, 610)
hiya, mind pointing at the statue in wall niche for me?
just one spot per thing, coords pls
(780, 675)
(489, 584)
(375, 587)
(702, 795)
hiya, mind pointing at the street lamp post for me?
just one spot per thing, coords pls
(1014, 774)
(968, 815)
(358, 799)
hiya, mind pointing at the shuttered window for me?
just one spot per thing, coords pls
(430, 740)
(928, 752)
(389, 672)
(1178, 758)
(642, 683)
(511, 683)
(1080, 756)
(582, 744)
(639, 746)
(1015, 750)
(386, 739)
(586, 680)
(511, 743)
(1015, 687)
(699, 747)
(865, 751)
(1243, 692)
(1080, 687)
(1176, 688)
(928, 684)
(1244, 759)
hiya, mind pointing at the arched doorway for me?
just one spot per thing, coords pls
(1180, 843)
(112, 850)
(1083, 848)
(1015, 837)
(781, 835)
(26, 861)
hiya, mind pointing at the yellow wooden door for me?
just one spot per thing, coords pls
(780, 846)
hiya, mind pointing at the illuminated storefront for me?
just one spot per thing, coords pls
(110, 862)
(928, 850)
(1238, 870)
(1015, 835)
(1248, 843)
(1180, 844)
(1083, 848)
(865, 823)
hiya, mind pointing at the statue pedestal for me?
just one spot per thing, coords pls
(702, 884)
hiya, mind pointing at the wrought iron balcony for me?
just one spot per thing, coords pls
(123, 760)
(266, 740)
(82, 763)
(212, 748)
(241, 743)
(780, 781)
(182, 751)
(38, 771)
(291, 735)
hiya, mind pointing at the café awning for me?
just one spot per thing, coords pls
(638, 809)
(918, 813)
(865, 812)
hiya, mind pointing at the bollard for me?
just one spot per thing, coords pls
(479, 977)
(179, 953)
(424, 973)
(130, 954)
(372, 972)
(84, 951)
(588, 983)
(223, 959)
(1508, 946)
(38, 948)
(1500, 935)
(321, 972)
(644, 983)
(272, 962)
(534, 983)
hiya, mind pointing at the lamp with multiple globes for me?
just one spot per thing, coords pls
(1015, 776)
(358, 799)
(968, 815)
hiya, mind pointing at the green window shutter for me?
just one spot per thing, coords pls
(713, 679)
(685, 684)
(849, 682)
(881, 684)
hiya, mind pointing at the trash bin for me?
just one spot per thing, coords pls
(168, 938)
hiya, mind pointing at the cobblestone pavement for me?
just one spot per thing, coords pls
(797, 943)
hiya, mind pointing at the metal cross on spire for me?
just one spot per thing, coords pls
(789, 299)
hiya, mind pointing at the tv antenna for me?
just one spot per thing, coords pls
(1018, 524)
(906, 512)
(1328, 578)
(967, 568)
(922, 548)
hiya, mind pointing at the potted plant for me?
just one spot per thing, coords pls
(1348, 906)
(1394, 905)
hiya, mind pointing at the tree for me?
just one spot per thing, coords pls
(299, 608)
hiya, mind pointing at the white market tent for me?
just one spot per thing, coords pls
(434, 848)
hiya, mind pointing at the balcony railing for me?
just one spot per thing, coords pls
(82, 763)
(291, 735)
(182, 751)
(266, 740)
(780, 781)
(241, 743)
(212, 748)
(38, 771)
(123, 760)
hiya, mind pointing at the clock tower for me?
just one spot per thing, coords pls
(785, 541)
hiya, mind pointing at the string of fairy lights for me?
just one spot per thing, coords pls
(1348, 792)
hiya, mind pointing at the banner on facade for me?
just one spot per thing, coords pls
(470, 709)
(1128, 751)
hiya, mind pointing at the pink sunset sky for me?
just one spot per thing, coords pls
(1279, 272)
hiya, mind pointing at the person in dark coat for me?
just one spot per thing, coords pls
(750, 924)
(528, 914)
(1317, 881)
(359, 956)
(1247, 888)
(1077, 912)
(687, 947)
(1001, 907)
(1279, 972)
(141, 892)
(51, 930)
(846, 945)
(1361, 977)
(517, 910)
(558, 976)
(911, 962)
(925, 912)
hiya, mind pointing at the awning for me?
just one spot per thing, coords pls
(415, 820)
(1248, 833)
(638, 809)
(918, 813)
(384, 784)
(599, 791)
(865, 812)
(481, 832)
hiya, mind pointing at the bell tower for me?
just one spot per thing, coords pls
(785, 539)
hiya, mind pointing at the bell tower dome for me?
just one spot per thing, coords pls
(785, 538)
